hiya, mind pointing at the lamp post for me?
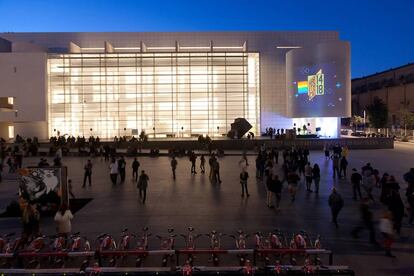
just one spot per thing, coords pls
(154, 131)
(364, 120)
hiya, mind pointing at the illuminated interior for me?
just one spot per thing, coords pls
(180, 94)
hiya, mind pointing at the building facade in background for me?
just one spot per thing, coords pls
(168, 84)
(395, 87)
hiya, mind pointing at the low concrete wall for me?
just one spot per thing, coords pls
(313, 144)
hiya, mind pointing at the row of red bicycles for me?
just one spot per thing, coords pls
(275, 252)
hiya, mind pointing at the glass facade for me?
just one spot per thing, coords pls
(166, 94)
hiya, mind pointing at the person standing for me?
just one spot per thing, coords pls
(308, 177)
(135, 168)
(335, 165)
(356, 179)
(342, 167)
(88, 173)
(173, 166)
(143, 185)
(121, 168)
(316, 175)
(113, 167)
(336, 203)
(193, 158)
(202, 164)
(63, 219)
(243, 181)
(326, 151)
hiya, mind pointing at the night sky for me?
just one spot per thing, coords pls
(381, 32)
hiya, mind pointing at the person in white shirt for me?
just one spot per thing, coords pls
(386, 228)
(113, 167)
(63, 218)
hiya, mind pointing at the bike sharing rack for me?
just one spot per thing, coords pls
(286, 269)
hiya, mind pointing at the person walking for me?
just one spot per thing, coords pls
(316, 175)
(326, 151)
(308, 177)
(135, 168)
(193, 159)
(202, 164)
(366, 221)
(385, 226)
(121, 168)
(63, 219)
(174, 166)
(243, 181)
(142, 185)
(356, 179)
(113, 167)
(336, 203)
(343, 164)
(88, 173)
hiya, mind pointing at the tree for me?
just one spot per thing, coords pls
(357, 121)
(377, 113)
(406, 119)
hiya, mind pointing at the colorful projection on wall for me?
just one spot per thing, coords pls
(314, 86)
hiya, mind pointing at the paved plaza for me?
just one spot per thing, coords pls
(193, 200)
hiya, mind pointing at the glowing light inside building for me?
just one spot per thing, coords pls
(177, 94)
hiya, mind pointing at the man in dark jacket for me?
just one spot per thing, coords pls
(135, 167)
(343, 164)
(336, 203)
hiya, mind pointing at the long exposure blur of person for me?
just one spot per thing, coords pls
(335, 165)
(356, 179)
(135, 168)
(316, 175)
(142, 185)
(386, 228)
(308, 177)
(293, 181)
(30, 219)
(173, 166)
(409, 178)
(270, 189)
(366, 221)
(396, 206)
(63, 219)
(70, 188)
(277, 190)
(122, 168)
(113, 167)
(244, 176)
(336, 203)
(343, 164)
(88, 173)
(202, 163)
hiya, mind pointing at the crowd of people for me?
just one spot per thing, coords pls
(284, 169)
